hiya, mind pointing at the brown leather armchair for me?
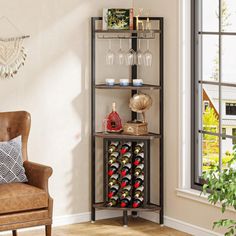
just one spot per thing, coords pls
(24, 204)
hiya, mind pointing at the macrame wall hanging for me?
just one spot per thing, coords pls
(12, 53)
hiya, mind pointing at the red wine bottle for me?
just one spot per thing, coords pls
(113, 190)
(125, 181)
(138, 202)
(126, 158)
(138, 181)
(113, 180)
(138, 192)
(113, 157)
(139, 159)
(113, 168)
(125, 191)
(112, 201)
(138, 148)
(125, 147)
(113, 146)
(113, 120)
(138, 169)
(125, 169)
(125, 201)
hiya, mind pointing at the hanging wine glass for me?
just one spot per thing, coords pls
(148, 56)
(139, 54)
(130, 56)
(110, 55)
(121, 54)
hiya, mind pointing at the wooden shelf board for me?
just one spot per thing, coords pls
(149, 136)
(128, 31)
(130, 87)
(149, 207)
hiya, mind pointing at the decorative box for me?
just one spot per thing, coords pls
(135, 128)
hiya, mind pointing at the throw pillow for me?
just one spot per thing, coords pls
(11, 163)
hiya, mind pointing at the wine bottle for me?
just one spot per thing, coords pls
(138, 192)
(139, 159)
(126, 158)
(125, 191)
(113, 168)
(113, 180)
(113, 157)
(113, 146)
(138, 148)
(113, 120)
(112, 201)
(125, 169)
(125, 201)
(138, 169)
(137, 202)
(125, 147)
(113, 190)
(125, 181)
(138, 181)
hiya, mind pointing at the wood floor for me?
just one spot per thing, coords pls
(111, 227)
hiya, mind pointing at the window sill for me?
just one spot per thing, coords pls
(194, 195)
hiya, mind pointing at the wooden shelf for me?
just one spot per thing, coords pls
(148, 207)
(149, 136)
(129, 87)
(127, 31)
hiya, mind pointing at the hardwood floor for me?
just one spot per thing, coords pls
(111, 227)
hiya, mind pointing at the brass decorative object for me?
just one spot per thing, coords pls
(139, 103)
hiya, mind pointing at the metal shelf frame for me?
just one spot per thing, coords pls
(148, 206)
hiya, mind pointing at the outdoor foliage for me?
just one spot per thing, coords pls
(222, 189)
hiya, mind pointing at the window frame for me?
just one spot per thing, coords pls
(195, 71)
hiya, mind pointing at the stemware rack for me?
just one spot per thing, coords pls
(134, 35)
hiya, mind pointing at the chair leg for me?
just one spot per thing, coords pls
(14, 233)
(48, 230)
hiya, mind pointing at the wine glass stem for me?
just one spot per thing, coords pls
(139, 44)
(148, 44)
(120, 44)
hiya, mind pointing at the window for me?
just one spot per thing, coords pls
(213, 73)
(230, 109)
(223, 133)
(206, 104)
(234, 134)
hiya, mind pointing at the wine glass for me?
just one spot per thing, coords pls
(139, 55)
(130, 56)
(148, 56)
(110, 55)
(121, 55)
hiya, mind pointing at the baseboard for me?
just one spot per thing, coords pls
(84, 217)
(154, 217)
(179, 225)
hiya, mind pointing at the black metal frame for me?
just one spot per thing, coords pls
(195, 70)
(152, 207)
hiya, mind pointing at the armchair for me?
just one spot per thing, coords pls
(24, 204)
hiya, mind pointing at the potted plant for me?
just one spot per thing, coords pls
(221, 187)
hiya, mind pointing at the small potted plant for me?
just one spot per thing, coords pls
(221, 187)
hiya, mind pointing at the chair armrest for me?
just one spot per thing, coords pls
(37, 174)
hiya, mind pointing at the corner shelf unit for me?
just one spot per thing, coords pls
(147, 206)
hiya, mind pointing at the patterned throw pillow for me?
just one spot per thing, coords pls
(11, 163)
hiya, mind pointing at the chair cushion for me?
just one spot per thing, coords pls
(11, 164)
(16, 197)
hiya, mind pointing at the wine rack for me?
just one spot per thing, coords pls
(112, 199)
(133, 162)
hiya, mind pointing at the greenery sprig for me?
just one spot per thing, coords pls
(221, 186)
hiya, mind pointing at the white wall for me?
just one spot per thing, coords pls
(54, 87)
